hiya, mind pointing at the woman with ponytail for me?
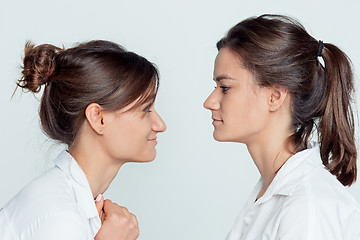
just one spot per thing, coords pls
(276, 87)
(98, 100)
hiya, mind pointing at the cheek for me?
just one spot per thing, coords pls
(241, 115)
(236, 109)
(117, 140)
(129, 140)
(126, 136)
(120, 138)
(132, 134)
(243, 118)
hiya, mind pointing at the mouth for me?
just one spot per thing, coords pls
(152, 139)
(217, 120)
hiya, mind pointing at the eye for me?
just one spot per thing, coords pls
(224, 88)
(147, 109)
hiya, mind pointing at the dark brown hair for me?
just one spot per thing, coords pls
(280, 52)
(94, 72)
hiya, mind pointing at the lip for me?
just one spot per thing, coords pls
(153, 139)
(217, 121)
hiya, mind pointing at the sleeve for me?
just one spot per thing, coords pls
(311, 221)
(6, 232)
(227, 236)
(297, 222)
(352, 226)
(59, 227)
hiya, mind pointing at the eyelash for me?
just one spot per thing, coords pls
(147, 109)
(224, 88)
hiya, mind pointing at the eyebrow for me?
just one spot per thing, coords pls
(222, 77)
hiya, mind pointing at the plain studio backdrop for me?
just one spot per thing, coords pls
(196, 186)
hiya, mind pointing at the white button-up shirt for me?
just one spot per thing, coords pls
(304, 201)
(58, 205)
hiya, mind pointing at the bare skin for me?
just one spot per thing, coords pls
(116, 221)
(106, 140)
(244, 112)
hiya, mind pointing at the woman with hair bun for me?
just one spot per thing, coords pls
(276, 86)
(98, 100)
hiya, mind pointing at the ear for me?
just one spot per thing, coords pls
(277, 97)
(95, 118)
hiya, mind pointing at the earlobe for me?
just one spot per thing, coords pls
(277, 97)
(95, 117)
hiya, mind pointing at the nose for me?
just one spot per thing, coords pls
(212, 102)
(158, 124)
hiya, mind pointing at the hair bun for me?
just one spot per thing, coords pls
(39, 66)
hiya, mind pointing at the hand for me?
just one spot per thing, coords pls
(99, 203)
(117, 222)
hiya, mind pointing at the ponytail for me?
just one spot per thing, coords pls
(280, 52)
(336, 127)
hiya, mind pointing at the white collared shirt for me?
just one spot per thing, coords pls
(304, 201)
(58, 205)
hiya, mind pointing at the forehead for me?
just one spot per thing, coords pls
(226, 57)
(229, 64)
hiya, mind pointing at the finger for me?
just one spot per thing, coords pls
(102, 216)
(130, 216)
(107, 206)
(126, 212)
(99, 203)
(134, 219)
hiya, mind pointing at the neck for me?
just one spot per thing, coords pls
(270, 151)
(98, 167)
(269, 161)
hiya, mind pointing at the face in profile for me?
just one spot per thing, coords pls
(131, 135)
(238, 104)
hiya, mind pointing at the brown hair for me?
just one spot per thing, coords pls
(94, 72)
(280, 52)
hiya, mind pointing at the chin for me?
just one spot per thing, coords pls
(149, 158)
(143, 158)
(220, 138)
(225, 137)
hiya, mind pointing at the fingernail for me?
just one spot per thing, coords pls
(98, 198)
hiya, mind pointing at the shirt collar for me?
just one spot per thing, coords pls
(290, 174)
(79, 182)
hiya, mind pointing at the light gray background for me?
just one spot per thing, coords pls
(196, 186)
